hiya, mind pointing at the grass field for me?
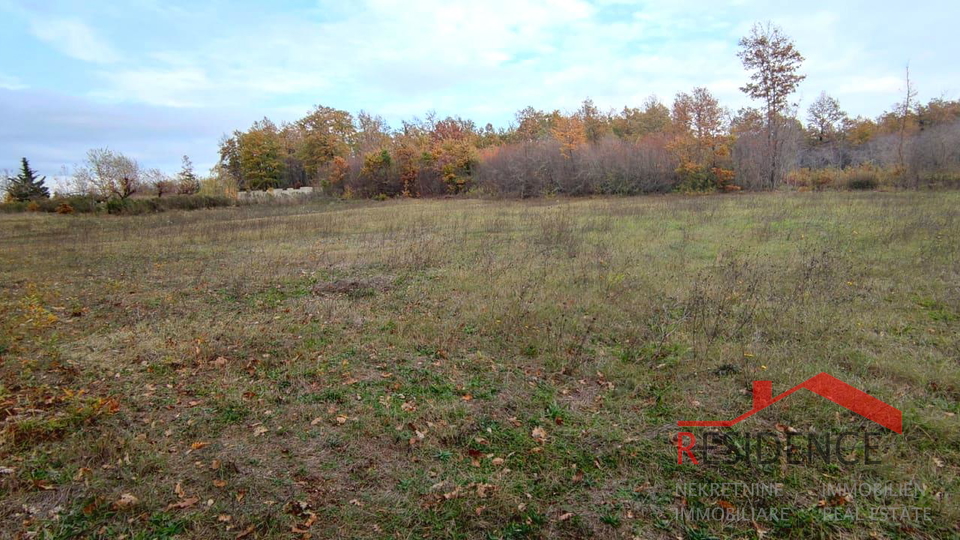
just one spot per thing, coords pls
(466, 368)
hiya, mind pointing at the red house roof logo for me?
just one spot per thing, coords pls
(826, 386)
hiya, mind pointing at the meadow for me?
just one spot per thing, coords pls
(469, 368)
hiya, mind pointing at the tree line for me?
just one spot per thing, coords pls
(693, 144)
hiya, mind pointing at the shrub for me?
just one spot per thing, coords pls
(863, 180)
(33, 206)
(115, 206)
(64, 208)
(941, 180)
(813, 179)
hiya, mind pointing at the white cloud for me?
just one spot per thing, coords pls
(9, 82)
(75, 39)
(174, 87)
(481, 60)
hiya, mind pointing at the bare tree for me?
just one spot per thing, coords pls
(903, 111)
(774, 60)
(108, 174)
(161, 183)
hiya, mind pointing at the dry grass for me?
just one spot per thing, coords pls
(378, 369)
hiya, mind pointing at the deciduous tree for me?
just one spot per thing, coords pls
(187, 181)
(775, 63)
(825, 119)
(108, 174)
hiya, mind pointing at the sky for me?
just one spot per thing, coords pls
(158, 79)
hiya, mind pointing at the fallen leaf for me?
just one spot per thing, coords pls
(219, 483)
(484, 490)
(316, 421)
(761, 532)
(938, 462)
(178, 489)
(126, 500)
(223, 518)
(198, 445)
(246, 532)
(566, 516)
(259, 431)
(341, 420)
(539, 434)
(186, 503)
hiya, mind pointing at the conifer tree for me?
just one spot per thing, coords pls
(26, 186)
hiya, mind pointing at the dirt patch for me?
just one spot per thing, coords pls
(354, 286)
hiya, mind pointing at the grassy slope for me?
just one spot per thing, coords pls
(377, 370)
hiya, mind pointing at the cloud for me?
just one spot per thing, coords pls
(9, 82)
(74, 38)
(214, 67)
(55, 130)
(172, 87)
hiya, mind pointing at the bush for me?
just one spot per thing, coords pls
(941, 180)
(813, 179)
(177, 202)
(85, 204)
(863, 180)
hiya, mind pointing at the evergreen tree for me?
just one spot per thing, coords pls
(26, 186)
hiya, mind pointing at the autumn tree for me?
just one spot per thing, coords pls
(699, 118)
(261, 156)
(414, 158)
(187, 182)
(595, 123)
(634, 123)
(570, 132)
(825, 119)
(376, 172)
(326, 134)
(26, 186)
(371, 133)
(533, 125)
(937, 112)
(452, 152)
(774, 62)
(700, 141)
